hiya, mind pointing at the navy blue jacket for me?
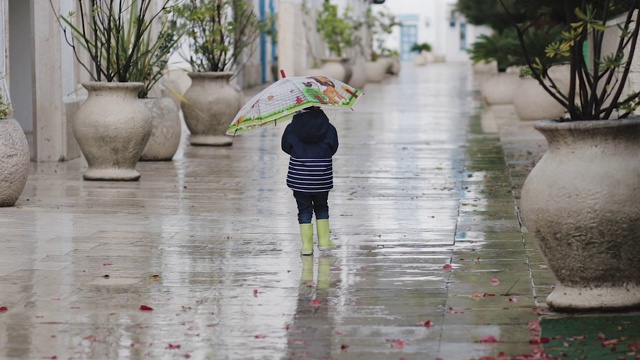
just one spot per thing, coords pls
(311, 140)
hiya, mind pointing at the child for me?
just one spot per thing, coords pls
(311, 141)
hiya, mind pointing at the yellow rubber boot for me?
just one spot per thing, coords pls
(324, 241)
(306, 232)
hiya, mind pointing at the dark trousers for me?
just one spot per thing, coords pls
(310, 203)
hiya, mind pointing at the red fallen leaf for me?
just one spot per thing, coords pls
(344, 347)
(173, 346)
(634, 346)
(427, 323)
(488, 339)
(542, 340)
(260, 336)
(316, 302)
(3, 309)
(446, 266)
(495, 281)
(398, 344)
(146, 308)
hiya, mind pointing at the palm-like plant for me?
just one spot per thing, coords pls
(597, 79)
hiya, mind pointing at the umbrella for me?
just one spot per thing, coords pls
(281, 100)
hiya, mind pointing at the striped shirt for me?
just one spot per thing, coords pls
(310, 175)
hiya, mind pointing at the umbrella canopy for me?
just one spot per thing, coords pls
(282, 99)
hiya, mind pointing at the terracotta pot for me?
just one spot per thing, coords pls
(165, 131)
(581, 203)
(212, 103)
(112, 128)
(14, 161)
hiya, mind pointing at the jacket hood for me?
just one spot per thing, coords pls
(310, 126)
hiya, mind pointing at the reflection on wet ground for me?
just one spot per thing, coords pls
(200, 259)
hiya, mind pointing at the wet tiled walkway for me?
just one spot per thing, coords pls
(200, 259)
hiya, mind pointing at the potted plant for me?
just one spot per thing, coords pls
(423, 54)
(153, 55)
(503, 49)
(380, 24)
(112, 126)
(218, 32)
(581, 202)
(338, 33)
(14, 155)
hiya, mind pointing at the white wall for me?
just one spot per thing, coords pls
(436, 25)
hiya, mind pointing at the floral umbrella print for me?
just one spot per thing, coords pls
(282, 99)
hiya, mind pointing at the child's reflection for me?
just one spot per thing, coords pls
(310, 335)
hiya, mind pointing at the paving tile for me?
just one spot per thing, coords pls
(210, 242)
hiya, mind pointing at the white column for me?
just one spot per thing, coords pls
(4, 45)
(286, 35)
(50, 127)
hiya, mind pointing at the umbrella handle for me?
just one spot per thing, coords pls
(282, 74)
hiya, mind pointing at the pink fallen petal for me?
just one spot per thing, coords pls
(495, 281)
(610, 342)
(260, 336)
(316, 302)
(3, 309)
(446, 266)
(488, 339)
(173, 346)
(255, 292)
(427, 323)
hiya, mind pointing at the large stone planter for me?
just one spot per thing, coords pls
(166, 130)
(375, 70)
(581, 203)
(112, 128)
(359, 75)
(211, 105)
(499, 88)
(532, 102)
(335, 67)
(14, 161)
